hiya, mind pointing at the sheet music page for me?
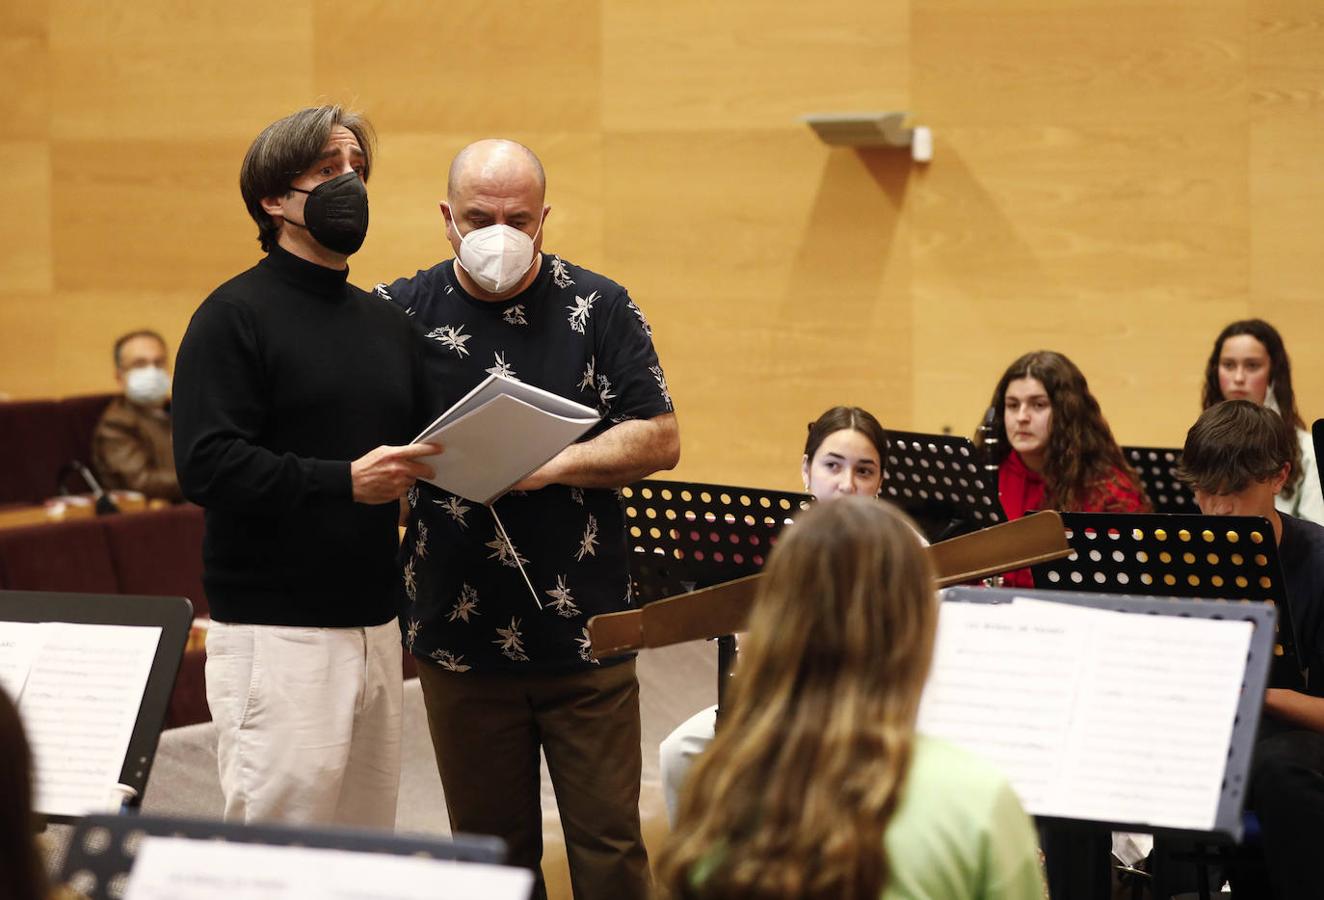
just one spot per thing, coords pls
(20, 642)
(171, 868)
(1092, 714)
(497, 444)
(1003, 685)
(1157, 700)
(79, 709)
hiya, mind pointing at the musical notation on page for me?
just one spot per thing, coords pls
(173, 868)
(1091, 714)
(79, 704)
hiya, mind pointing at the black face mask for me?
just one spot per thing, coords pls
(336, 213)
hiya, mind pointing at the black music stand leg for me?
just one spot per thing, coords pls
(726, 660)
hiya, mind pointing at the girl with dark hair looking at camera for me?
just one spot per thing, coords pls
(817, 785)
(1054, 448)
(843, 455)
(1250, 362)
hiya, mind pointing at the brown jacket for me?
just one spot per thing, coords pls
(131, 449)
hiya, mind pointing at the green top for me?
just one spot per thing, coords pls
(959, 832)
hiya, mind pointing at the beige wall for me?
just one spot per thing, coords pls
(1112, 179)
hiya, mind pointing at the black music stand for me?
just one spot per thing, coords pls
(1317, 438)
(1157, 468)
(1210, 557)
(173, 615)
(103, 848)
(685, 536)
(943, 482)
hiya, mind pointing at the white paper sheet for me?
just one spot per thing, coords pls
(79, 708)
(498, 433)
(1092, 714)
(170, 868)
(19, 645)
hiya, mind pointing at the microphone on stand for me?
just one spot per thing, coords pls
(104, 505)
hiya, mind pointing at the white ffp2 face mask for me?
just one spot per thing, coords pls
(146, 385)
(497, 256)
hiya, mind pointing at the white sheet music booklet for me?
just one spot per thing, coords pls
(498, 433)
(78, 688)
(172, 868)
(1092, 714)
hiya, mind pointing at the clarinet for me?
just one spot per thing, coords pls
(988, 433)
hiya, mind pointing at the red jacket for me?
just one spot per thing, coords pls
(1022, 492)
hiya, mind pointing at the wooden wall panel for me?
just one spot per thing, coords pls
(175, 69)
(1121, 250)
(775, 273)
(1109, 63)
(154, 215)
(1088, 195)
(1287, 193)
(1113, 178)
(467, 65)
(64, 339)
(25, 232)
(690, 64)
(24, 68)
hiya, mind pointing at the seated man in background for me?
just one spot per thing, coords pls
(1236, 459)
(131, 446)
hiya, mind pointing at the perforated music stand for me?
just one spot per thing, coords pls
(689, 535)
(1157, 467)
(1211, 557)
(686, 536)
(173, 615)
(103, 848)
(943, 482)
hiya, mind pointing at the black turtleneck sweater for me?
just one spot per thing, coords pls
(287, 373)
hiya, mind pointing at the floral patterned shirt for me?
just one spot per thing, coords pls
(467, 606)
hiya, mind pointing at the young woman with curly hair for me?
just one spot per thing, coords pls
(1054, 448)
(817, 784)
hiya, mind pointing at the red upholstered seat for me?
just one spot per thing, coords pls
(69, 556)
(35, 443)
(159, 552)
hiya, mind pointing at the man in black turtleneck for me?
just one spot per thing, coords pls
(291, 386)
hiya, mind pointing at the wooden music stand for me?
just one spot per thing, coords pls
(724, 608)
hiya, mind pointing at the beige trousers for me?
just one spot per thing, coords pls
(307, 722)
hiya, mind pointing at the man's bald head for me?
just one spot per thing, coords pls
(495, 161)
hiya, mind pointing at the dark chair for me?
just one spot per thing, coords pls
(34, 446)
(71, 556)
(159, 552)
